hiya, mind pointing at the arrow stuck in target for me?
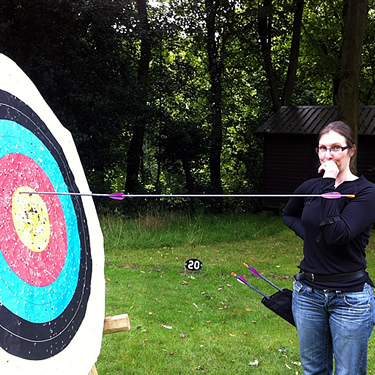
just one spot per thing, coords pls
(118, 196)
(121, 196)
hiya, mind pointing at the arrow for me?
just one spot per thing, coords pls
(117, 196)
(121, 196)
(256, 273)
(244, 281)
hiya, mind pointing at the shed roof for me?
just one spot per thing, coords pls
(310, 119)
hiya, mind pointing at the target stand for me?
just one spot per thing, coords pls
(113, 324)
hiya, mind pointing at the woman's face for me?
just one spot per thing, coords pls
(341, 158)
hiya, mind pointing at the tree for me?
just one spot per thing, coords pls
(354, 15)
(265, 36)
(167, 97)
(74, 53)
(183, 143)
(265, 29)
(215, 68)
(294, 53)
(135, 148)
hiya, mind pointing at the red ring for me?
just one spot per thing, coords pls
(37, 269)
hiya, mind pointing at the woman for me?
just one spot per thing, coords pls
(333, 297)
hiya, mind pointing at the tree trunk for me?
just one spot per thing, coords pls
(354, 15)
(265, 31)
(215, 66)
(294, 53)
(190, 181)
(136, 144)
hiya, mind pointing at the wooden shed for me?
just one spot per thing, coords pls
(290, 137)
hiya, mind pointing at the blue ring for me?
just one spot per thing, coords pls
(40, 304)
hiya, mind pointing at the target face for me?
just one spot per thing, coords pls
(45, 253)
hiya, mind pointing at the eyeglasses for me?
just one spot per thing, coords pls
(332, 150)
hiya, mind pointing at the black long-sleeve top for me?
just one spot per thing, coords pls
(335, 231)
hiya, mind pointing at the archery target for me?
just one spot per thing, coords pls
(48, 269)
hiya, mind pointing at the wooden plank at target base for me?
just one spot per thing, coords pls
(113, 324)
(117, 323)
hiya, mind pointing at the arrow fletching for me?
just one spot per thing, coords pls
(244, 281)
(255, 272)
(117, 196)
(258, 274)
(335, 195)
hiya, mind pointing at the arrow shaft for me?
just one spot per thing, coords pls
(233, 195)
(118, 196)
(270, 282)
(123, 195)
(258, 274)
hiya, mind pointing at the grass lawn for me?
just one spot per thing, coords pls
(184, 322)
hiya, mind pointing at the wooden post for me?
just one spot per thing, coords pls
(113, 324)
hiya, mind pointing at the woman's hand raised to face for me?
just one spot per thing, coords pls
(330, 169)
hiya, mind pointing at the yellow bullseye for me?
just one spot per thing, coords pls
(31, 219)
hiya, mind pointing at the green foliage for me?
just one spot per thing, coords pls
(74, 54)
(83, 56)
(319, 64)
(367, 79)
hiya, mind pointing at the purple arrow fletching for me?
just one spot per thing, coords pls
(254, 271)
(332, 195)
(336, 194)
(118, 196)
(242, 279)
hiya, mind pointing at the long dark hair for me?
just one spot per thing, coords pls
(346, 131)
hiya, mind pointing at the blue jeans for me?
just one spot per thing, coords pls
(333, 323)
